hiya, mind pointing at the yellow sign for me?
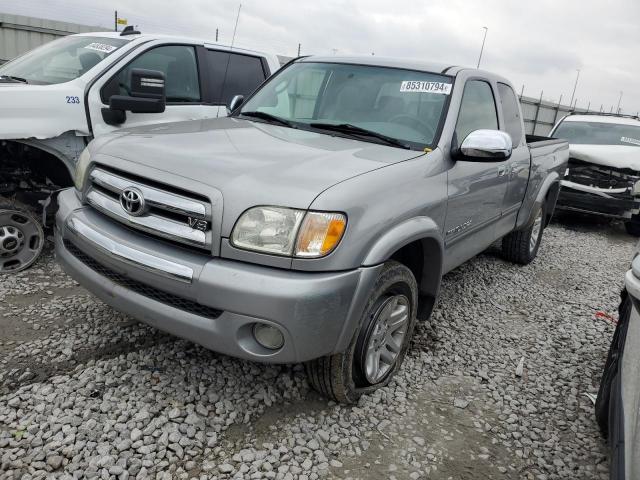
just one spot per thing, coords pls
(122, 21)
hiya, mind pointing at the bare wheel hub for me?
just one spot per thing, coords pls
(386, 338)
(21, 240)
(11, 239)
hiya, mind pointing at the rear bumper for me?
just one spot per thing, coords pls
(614, 203)
(211, 301)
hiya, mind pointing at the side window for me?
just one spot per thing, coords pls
(177, 62)
(217, 65)
(511, 113)
(244, 74)
(477, 110)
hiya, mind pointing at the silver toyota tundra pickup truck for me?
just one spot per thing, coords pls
(307, 226)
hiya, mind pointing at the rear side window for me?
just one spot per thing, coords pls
(244, 75)
(177, 62)
(477, 110)
(232, 74)
(511, 113)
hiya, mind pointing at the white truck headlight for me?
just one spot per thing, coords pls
(81, 169)
(288, 231)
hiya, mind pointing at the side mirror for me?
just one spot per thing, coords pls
(147, 93)
(486, 146)
(236, 102)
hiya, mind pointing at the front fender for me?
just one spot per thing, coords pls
(423, 229)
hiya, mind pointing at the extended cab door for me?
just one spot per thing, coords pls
(185, 86)
(476, 190)
(519, 164)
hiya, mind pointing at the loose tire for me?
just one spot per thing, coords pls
(522, 246)
(21, 237)
(611, 366)
(383, 336)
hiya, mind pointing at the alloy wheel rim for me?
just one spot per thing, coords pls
(21, 240)
(535, 231)
(386, 338)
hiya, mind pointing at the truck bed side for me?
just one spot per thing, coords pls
(549, 158)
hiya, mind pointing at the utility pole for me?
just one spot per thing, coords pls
(115, 22)
(575, 86)
(619, 100)
(216, 35)
(482, 48)
(299, 47)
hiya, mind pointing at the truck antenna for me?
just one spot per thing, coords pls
(235, 27)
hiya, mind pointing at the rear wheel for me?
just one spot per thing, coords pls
(21, 237)
(633, 227)
(522, 246)
(379, 345)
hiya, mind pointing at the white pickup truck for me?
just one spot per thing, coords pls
(58, 97)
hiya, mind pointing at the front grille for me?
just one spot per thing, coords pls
(165, 212)
(600, 176)
(141, 288)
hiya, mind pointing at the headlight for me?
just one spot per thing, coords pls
(288, 231)
(81, 168)
(268, 230)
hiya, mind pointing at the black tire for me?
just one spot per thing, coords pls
(516, 246)
(632, 227)
(341, 376)
(611, 366)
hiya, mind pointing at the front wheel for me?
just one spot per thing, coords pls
(21, 238)
(522, 246)
(378, 347)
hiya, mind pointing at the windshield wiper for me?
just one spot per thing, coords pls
(269, 118)
(359, 131)
(13, 79)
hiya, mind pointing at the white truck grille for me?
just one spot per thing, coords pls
(149, 208)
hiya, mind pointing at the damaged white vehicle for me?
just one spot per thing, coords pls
(603, 175)
(58, 97)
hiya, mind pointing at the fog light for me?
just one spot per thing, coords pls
(268, 336)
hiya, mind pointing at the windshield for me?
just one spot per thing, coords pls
(403, 105)
(61, 60)
(594, 133)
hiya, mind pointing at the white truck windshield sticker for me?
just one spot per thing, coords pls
(100, 47)
(630, 140)
(425, 87)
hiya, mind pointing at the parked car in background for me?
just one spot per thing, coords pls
(618, 402)
(305, 226)
(603, 176)
(56, 98)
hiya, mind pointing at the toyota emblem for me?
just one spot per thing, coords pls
(132, 201)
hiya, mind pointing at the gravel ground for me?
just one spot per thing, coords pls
(88, 392)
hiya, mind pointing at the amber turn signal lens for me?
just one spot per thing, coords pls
(320, 234)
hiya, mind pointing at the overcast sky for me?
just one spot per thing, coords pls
(539, 44)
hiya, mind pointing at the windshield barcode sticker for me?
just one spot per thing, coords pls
(425, 87)
(101, 47)
(630, 140)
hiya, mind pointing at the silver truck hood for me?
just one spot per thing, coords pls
(616, 156)
(41, 111)
(250, 163)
